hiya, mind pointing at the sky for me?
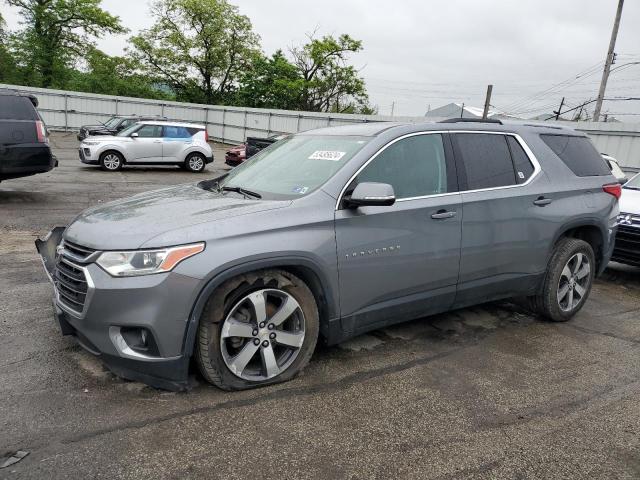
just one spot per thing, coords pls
(421, 54)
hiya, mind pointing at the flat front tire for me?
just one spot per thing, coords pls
(257, 329)
(567, 282)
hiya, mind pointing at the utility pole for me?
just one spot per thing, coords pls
(487, 101)
(393, 107)
(608, 62)
(559, 111)
(462, 110)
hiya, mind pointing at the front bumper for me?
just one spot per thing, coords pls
(160, 304)
(85, 155)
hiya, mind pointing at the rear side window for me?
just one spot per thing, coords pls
(577, 153)
(414, 166)
(17, 108)
(486, 159)
(176, 132)
(521, 162)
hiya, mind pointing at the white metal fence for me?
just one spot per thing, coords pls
(69, 110)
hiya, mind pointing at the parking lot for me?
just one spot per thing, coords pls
(485, 392)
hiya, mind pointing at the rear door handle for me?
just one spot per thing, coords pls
(442, 214)
(157, 141)
(542, 201)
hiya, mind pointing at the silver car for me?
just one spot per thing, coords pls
(150, 143)
(326, 235)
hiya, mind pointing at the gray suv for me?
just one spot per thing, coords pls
(326, 235)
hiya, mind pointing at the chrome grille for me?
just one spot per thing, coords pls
(71, 284)
(77, 251)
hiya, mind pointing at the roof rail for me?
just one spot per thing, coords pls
(471, 120)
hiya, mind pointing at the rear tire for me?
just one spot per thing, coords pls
(111, 161)
(241, 345)
(195, 162)
(568, 281)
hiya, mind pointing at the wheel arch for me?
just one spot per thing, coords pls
(111, 148)
(306, 269)
(589, 230)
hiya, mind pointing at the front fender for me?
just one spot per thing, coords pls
(260, 264)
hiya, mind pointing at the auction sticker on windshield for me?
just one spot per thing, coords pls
(332, 155)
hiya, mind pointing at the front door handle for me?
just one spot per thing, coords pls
(157, 141)
(442, 214)
(542, 201)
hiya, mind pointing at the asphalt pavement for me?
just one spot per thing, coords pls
(484, 392)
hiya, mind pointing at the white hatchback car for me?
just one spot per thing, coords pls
(150, 143)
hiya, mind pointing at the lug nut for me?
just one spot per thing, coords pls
(272, 335)
(271, 326)
(262, 324)
(254, 333)
(256, 342)
(265, 344)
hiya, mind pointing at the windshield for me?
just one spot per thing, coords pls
(295, 166)
(634, 183)
(127, 131)
(112, 122)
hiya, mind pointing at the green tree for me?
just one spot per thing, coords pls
(56, 33)
(199, 47)
(115, 76)
(271, 83)
(7, 63)
(330, 84)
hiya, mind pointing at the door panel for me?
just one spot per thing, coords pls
(147, 147)
(175, 141)
(505, 235)
(398, 261)
(401, 262)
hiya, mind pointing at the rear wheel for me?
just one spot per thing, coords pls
(111, 161)
(195, 162)
(567, 282)
(257, 329)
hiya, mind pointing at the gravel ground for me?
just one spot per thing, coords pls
(485, 392)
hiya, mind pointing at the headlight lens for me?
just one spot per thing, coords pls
(146, 262)
(90, 143)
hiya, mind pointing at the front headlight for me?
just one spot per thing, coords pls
(146, 262)
(91, 143)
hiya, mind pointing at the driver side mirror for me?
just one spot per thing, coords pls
(371, 194)
(134, 135)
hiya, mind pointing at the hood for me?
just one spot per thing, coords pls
(94, 128)
(106, 138)
(630, 201)
(133, 222)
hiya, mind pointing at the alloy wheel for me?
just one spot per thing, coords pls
(574, 282)
(196, 163)
(111, 161)
(262, 335)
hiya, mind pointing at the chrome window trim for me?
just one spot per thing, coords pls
(532, 158)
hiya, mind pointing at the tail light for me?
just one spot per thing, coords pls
(41, 131)
(206, 135)
(614, 189)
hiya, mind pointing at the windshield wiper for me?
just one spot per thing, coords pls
(243, 191)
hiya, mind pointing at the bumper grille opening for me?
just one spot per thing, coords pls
(627, 247)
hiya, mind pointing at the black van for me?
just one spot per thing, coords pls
(24, 139)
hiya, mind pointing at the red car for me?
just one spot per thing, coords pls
(236, 155)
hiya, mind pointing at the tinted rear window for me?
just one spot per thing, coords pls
(17, 108)
(578, 153)
(486, 159)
